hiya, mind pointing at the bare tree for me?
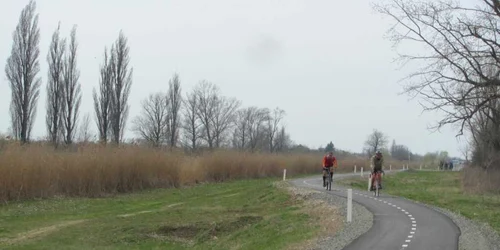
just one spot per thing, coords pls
(72, 95)
(484, 129)
(240, 136)
(152, 122)
(462, 47)
(250, 128)
(121, 83)
(375, 141)
(103, 101)
(273, 123)
(55, 84)
(224, 118)
(174, 102)
(399, 152)
(282, 140)
(215, 112)
(257, 127)
(84, 129)
(191, 124)
(207, 95)
(21, 70)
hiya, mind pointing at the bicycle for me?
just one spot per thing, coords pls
(329, 179)
(376, 185)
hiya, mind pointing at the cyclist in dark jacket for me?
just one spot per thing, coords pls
(376, 164)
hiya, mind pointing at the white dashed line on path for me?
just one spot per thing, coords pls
(413, 222)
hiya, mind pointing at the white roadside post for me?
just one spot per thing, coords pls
(349, 205)
(284, 174)
(420, 167)
(361, 171)
(354, 168)
(369, 183)
(390, 167)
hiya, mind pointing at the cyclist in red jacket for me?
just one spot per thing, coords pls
(329, 161)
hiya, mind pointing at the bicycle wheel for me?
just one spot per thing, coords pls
(330, 180)
(326, 183)
(326, 180)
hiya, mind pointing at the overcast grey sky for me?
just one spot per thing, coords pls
(324, 62)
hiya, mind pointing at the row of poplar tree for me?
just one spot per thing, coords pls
(203, 118)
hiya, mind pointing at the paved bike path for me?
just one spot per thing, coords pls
(398, 223)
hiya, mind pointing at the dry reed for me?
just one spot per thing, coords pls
(479, 180)
(39, 171)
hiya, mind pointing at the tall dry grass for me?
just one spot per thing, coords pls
(38, 171)
(479, 180)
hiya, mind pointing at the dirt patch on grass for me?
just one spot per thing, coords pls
(202, 231)
(183, 232)
(39, 232)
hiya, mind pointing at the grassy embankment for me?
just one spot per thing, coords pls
(469, 195)
(234, 215)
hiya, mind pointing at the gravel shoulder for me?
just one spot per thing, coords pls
(362, 218)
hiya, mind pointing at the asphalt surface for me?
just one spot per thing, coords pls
(398, 223)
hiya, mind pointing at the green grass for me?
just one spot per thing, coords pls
(441, 189)
(235, 215)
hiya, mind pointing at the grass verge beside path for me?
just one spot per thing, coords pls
(235, 215)
(441, 189)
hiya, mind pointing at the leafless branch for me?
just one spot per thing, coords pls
(462, 46)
